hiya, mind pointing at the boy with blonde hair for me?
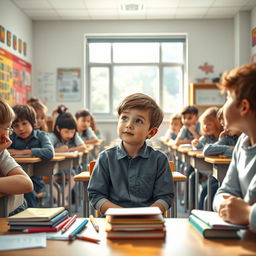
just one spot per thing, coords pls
(133, 174)
(13, 180)
(235, 200)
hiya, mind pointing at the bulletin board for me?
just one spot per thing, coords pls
(15, 78)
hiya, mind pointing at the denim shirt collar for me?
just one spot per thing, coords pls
(121, 153)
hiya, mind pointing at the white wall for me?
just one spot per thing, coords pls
(19, 24)
(61, 45)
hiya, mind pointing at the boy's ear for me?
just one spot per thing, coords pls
(152, 132)
(244, 107)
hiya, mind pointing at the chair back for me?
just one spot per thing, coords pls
(91, 166)
(172, 166)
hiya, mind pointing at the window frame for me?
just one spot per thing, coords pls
(136, 38)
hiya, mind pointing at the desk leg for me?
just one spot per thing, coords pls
(174, 207)
(69, 190)
(63, 188)
(51, 190)
(196, 188)
(209, 193)
(85, 201)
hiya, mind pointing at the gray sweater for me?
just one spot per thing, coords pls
(240, 179)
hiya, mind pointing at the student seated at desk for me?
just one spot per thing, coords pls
(65, 138)
(235, 200)
(226, 142)
(191, 127)
(41, 113)
(13, 180)
(28, 141)
(210, 129)
(96, 130)
(173, 130)
(133, 174)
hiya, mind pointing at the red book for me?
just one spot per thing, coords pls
(47, 229)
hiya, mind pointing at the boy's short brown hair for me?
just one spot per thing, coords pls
(6, 113)
(190, 110)
(24, 112)
(242, 81)
(142, 101)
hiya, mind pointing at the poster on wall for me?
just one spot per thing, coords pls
(15, 78)
(68, 84)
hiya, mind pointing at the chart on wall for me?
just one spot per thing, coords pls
(15, 78)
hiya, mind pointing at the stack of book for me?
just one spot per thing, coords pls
(135, 223)
(210, 225)
(42, 219)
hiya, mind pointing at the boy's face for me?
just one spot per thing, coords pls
(231, 114)
(83, 122)
(23, 129)
(189, 119)
(5, 131)
(210, 127)
(133, 126)
(175, 125)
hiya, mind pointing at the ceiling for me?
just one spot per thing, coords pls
(146, 9)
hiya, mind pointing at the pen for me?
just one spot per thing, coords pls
(86, 238)
(94, 223)
(68, 224)
(73, 234)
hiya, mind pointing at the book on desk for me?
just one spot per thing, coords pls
(209, 225)
(135, 223)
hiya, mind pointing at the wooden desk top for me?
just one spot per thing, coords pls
(184, 150)
(217, 160)
(68, 154)
(200, 155)
(58, 158)
(27, 160)
(181, 240)
(177, 176)
(83, 176)
(194, 152)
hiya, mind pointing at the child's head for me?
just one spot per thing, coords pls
(6, 116)
(83, 119)
(65, 125)
(41, 111)
(240, 86)
(24, 121)
(175, 123)
(210, 124)
(139, 118)
(189, 115)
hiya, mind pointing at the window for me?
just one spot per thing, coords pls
(117, 67)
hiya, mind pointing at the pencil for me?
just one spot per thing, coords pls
(94, 223)
(69, 223)
(77, 230)
(86, 238)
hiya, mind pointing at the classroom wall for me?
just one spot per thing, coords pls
(19, 24)
(253, 26)
(60, 44)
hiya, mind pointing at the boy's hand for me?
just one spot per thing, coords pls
(224, 133)
(63, 148)
(195, 142)
(235, 210)
(5, 142)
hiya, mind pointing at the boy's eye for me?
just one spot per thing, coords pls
(138, 121)
(124, 118)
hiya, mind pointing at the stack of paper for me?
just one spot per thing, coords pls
(135, 223)
(210, 225)
(33, 218)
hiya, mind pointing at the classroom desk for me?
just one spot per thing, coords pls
(197, 161)
(85, 177)
(181, 240)
(71, 160)
(219, 166)
(35, 166)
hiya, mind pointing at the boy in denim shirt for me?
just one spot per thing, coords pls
(133, 174)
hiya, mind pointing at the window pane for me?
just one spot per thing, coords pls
(99, 89)
(172, 94)
(136, 52)
(100, 52)
(132, 79)
(172, 52)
